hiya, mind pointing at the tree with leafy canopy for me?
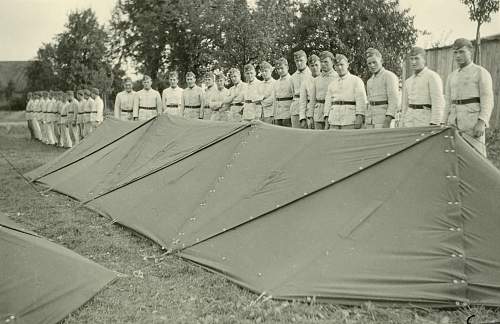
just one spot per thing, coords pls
(350, 27)
(480, 11)
(42, 73)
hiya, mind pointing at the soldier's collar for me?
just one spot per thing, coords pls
(379, 72)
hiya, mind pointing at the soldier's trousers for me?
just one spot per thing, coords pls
(268, 120)
(319, 125)
(342, 127)
(36, 129)
(295, 121)
(283, 122)
(65, 140)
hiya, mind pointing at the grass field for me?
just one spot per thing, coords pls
(155, 288)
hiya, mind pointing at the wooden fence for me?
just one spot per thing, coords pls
(441, 60)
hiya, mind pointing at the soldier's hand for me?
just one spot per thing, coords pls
(479, 128)
(135, 118)
(358, 122)
(387, 122)
(303, 123)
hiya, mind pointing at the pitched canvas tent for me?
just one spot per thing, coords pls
(391, 216)
(42, 282)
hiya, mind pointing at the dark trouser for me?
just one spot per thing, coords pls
(319, 125)
(284, 122)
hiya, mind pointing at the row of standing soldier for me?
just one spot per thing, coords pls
(58, 118)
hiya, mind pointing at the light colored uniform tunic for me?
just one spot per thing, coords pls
(215, 102)
(253, 93)
(383, 97)
(424, 89)
(192, 102)
(469, 82)
(90, 115)
(305, 102)
(207, 112)
(297, 78)
(268, 99)
(171, 98)
(345, 99)
(147, 104)
(236, 92)
(283, 94)
(99, 110)
(124, 105)
(319, 91)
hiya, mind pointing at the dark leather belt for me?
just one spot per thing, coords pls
(237, 104)
(64, 115)
(424, 106)
(127, 111)
(378, 103)
(80, 113)
(342, 103)
(284, 99)
(466, 101)
(296, 96)
(248, 101)
(193, 107)
(321, 101)
(148, 108)
(172, 106)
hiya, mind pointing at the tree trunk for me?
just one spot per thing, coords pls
(477, 50)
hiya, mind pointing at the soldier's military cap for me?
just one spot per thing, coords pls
(234, 71)
(461, 42)
(127, 79)
(70, 92)
(210, 75)
(373, 52)
(173, 74)
(312, 59)
(265, 65)
(339, 58)
(80, 92)
(220, 76)
(417, 51)
(249, 67)
(86, 92)
(281, 61)
(146, 78)
(299, 54)
(326, 54)
(190, 75)
(95, 91)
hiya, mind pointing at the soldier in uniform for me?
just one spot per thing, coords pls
(252, 108)
(98, 107)
(216, 99)
(49, 117)
(234, 102)
(192, 100)
(56, 116)
(423, 100)
(124, 101)
(283, 93)
(172, 95)
(345, 101)
(302, 72)
(320, 88)
(81, 114)
(267, 92)
(306, 108)
(89, 113)
(36, 115)
(29, 114)
(72, 111)
(383, 92)
(209, 91)
(65, 138)
(147, 102)
(469, 96)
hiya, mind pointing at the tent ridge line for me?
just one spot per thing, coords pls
(19, 230)
(97, 150)
(158, 169)
(316, 190)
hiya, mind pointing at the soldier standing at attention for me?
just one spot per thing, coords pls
(56, 116)
(147, 102)
(283, 93)
(216, 100)
(89, 113)
(306, 108)
(234, 102)
(36, 115)
(72, 111)
(192, 104)
(267, 92)
(81, 113)
(469, 96)
(320, 88)
(383, 92)
(29, 114)
(345, 101)
(423, 99)
(300, 59)
(252, 108)
(98, 108)
(124, 101)
(172, 95)
(65, 138)
(50, 117)
(209, 91)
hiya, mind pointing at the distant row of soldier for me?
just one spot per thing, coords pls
(58, 118)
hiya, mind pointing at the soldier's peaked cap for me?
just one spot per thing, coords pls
(461, 42)
(339, 58)
(326, 54)
(373, 52)
(299, 54)
(281, 61)
(417, 51)
(249, 67)
(265, 65)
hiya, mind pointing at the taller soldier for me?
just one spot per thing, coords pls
(124, 102)
(147, 102)
(469, 96)
(172, 95)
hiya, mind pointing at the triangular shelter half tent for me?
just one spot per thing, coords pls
(42, 282)
(392, 215)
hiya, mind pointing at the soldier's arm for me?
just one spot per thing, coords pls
(159, 104)
(360, 96)
(486, 95)
(164, 99)
(392, 90)
(181, 108)
(303, 101)
(135, 109)
(447, 99)
(328, 102)
(202, 104)
(437, 99)
(117, 106)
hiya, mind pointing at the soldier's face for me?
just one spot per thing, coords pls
(173, 82)
(463, 55)
(147, 84)
(326, 64)
(315, 68)
(300, 63)
(417, 62)
(79, 96)
(190, 81)
(342, 68)
(127, 86)
(250, 75)
(220, 83)
(235, 78)
(209, 82)
(282, 70)
(86, 95)
(374, 64)
(266, 73)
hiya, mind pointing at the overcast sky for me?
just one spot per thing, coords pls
(26, 24)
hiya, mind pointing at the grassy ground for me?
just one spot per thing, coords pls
(156, 288)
